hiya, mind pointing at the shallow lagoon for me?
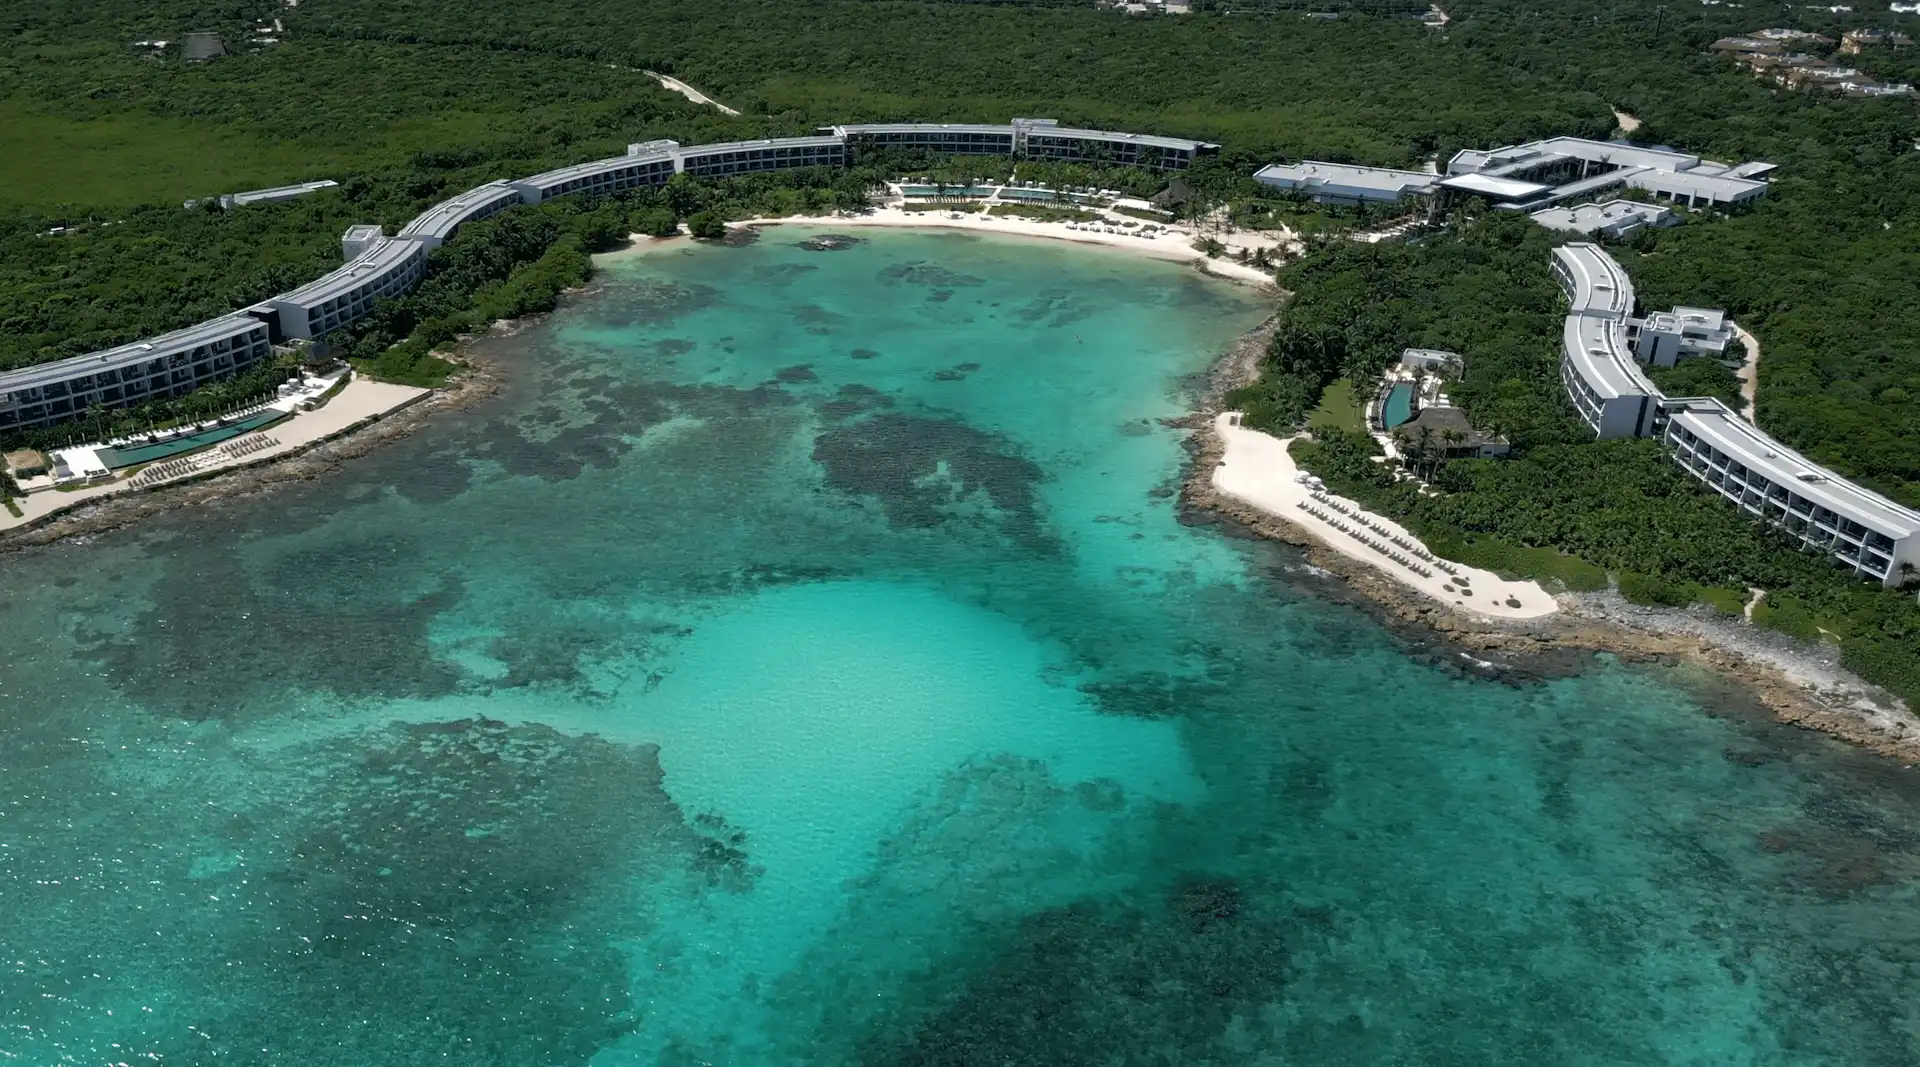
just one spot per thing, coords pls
(801, 661)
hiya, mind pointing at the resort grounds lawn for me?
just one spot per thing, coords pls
(1339, 409)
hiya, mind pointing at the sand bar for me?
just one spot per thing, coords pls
(1258, 469)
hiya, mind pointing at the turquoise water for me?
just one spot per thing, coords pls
(115, 458)
(1399, 406)
(801, 660)
(950, 190)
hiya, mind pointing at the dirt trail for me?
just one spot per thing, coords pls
(688, 91)
(1749, 372)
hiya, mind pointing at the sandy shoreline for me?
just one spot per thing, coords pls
(1801, 685)
(1174, 245)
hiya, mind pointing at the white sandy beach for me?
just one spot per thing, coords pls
(1258, 469)
(359, 400)
(1175, 243)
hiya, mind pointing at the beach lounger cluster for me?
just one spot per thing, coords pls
(248, 445)
(160, 472)
(1378, 546)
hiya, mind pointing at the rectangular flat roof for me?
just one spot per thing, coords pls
(384, 255)
(281, 192)
(922, 127)
(816, 141)
(1716, 423)
(551, 178)
(1587, 218)
(1713, 186)
(1599, 349)
(1149, 139)
(1380, 179)
(129, 354)
(1600, 287)
(441, 219)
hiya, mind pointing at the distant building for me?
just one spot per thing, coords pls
(201, 47)
(1854, 88)
(1540, 174)
(1423, 358)
(1615, 219)
(1852, 41)
(1343, 183)
(358, 240)
(281, 192)
(1755, 45)
(1796, 36)
(1667, 337)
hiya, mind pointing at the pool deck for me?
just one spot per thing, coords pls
(1258, 469)
(360, 401)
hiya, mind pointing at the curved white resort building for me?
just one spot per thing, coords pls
(378, 267)
(1602, 346)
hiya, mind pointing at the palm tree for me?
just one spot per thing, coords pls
(1454, 438)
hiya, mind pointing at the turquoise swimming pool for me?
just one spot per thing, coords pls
(951, 190)
(116, 458)
(1399, 405)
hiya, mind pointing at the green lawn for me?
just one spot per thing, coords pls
(1339, 409)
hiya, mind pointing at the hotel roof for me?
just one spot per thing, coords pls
(1149, 139)
(921, 127)
(1379, 179)
(1590, 218)
(443, 218)
(1599, 346)
(1600, 287)
(1712, 420)
(381, 257)
(128, 355)
(816, 141)
(280, 192)
(1657, 169)
(594, 168)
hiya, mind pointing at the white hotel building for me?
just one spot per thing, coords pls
(379, 267)
(1860, 529)
(1040, 139)
(1540, 174)
(155, 369)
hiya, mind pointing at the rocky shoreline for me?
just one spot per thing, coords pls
(1800, 685)
(474, 383)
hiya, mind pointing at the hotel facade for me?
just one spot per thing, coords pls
(1601, 349)
(377, 267)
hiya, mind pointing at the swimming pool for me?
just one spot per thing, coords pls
(951, 190)
(115, 458)
(1399, 405)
